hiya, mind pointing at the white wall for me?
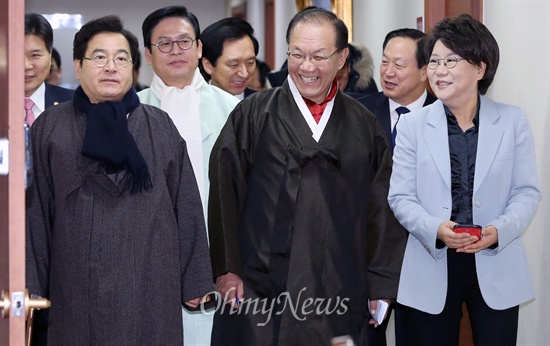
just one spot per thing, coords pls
(255, 16)
(522, 29)
(132, 12)
(284, 11)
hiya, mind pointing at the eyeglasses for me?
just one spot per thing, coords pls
(102, 61)
(166, 46)
(317, 60)
(449, 62)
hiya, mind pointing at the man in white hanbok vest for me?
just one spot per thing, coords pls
(199, 110)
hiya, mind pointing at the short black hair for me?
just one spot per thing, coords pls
(416, 35)
(471, 40)
(137, 62)
(263, 70)
(152, 20)
(227, 29)
(56, 57)
(36, 24)
(96, 26)
(319, 16)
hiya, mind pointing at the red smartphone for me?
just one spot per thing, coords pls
(471, 229)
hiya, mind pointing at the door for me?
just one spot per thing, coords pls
(12, 190)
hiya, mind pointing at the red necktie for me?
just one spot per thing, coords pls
(29, 114)
(318, 109)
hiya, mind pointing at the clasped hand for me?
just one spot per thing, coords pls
(463, 242)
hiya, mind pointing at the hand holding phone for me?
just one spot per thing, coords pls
(470, 229)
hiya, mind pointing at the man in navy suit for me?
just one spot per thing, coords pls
(404, 81)
(403, 78)
(229, 51)
(38, 57)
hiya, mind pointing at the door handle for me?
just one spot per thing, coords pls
(20, 303)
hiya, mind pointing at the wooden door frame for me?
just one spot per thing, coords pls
(435, 10)
(12, 190)
(269, 33)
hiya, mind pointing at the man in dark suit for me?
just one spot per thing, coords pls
(403, 78)
(404, 84)
(38, 56)
(55, 94)
(229, 51)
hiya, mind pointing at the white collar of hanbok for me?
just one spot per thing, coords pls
(182, 105)
(316, 128)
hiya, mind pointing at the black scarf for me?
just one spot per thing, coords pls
(108, 139)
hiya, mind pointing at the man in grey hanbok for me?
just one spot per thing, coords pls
(116, 236)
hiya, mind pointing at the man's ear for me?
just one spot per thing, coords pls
(207, 66)
(424, 73)
(148, 56)
(343, 57)
(199, 48)
(77, 68)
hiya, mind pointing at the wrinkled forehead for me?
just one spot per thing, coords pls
(316, 35)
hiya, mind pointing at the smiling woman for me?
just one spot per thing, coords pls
(453, 164)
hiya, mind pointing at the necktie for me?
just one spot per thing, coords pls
(29, 114)
(318, 109)
(400, 110)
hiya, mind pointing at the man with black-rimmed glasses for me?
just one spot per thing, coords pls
(173, 48)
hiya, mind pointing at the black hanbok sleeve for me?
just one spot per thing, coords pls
(386, 238)
(228, 187)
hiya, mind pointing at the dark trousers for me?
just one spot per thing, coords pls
(39, 333)
(489, 326)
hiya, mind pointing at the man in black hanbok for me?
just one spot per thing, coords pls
(298, 216)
